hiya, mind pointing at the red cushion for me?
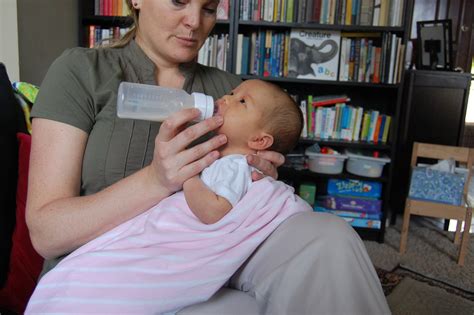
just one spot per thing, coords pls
(25, 263)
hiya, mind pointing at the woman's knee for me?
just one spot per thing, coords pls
(322, 226)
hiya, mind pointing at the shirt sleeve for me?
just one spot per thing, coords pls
(64, 95)
(229, 178)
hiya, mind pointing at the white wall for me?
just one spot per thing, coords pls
(9, 38)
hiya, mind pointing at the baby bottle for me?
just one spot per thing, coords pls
(156, 103)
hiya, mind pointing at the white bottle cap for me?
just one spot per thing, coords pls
(205, 104)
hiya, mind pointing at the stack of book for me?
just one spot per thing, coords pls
(111, 7)
(330, 117)
(99, 35)
(348, 12)
(356, 201)
(371, 58)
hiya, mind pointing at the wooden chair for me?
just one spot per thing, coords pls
(438, 210)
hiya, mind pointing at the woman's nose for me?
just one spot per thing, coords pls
(192, 18)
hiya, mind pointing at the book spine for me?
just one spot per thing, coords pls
(290, 11)
(311, 117)
(363, 223)
(386, 129)
(91, 36)
(348, 203)
(303, 107)
(97, 7)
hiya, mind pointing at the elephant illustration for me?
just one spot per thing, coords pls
(302, 56)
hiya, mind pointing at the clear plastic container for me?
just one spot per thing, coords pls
(156, 103)
(362, 164)
(325, 163)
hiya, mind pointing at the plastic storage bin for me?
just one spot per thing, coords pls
(363, 164)
(325, 163)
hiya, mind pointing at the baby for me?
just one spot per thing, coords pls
(166, 259)
(257, 116)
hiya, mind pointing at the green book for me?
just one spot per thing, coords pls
(311, 118)
(289, 11)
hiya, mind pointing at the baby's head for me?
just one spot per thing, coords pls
(261, 116)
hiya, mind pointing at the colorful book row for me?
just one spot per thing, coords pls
(119, 8)
(111, 7)
(344, 122)
(103, 35)
(362, 59)
(344, 12)
(321, 55)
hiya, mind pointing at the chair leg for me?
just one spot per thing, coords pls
(457, 235)
(405, 226)
(465, 237)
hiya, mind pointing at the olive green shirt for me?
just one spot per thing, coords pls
(80, 89)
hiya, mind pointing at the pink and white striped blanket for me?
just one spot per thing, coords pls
(164, 259)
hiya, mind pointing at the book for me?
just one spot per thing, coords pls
(354, 221)
(223, 10)
(329, 100)
(304, 131)
(386, 129)
(314, 54)
(349, 203)
(363, 223)
(348, 214)
(238, 60)
(245, 55)
(354, 188)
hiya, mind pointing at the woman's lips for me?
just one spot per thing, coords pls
(187, 41)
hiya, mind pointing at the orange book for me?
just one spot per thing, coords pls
(119, 7)
(378, 56)
(377, 129)
(113, 8)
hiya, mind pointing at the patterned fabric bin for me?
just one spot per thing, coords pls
(437, 186)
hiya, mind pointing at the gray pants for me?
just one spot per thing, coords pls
(313, 263)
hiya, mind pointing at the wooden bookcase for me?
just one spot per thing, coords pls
(384, 97)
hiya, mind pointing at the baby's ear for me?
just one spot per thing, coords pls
(261, 141)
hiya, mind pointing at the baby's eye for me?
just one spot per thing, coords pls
(242, 101)
(231, 93)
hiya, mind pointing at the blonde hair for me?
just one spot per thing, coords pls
(132, 32)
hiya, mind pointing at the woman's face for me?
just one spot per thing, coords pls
(174, 30)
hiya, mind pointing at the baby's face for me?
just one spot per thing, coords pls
(243, 110)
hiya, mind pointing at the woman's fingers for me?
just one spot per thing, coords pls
(200, 150)
(275, 158)
(172, 125)
(181, 139)
(196, 167)
(172, 162)
(266, 162)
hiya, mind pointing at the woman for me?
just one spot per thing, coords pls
(91, 171)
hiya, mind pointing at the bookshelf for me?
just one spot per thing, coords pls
(384, 95)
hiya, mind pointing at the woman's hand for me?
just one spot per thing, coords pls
(266, 162)
(172, 163)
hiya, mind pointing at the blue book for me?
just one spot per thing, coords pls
(348, 214)
(363, 223)
(261, 59)
(245, 55)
